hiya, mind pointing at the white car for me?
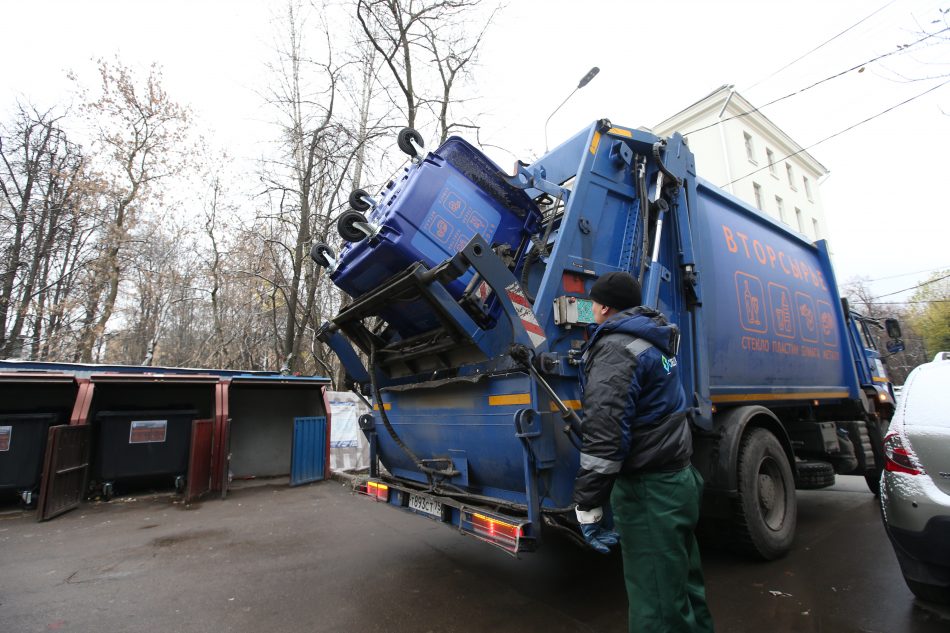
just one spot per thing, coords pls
(915, 485)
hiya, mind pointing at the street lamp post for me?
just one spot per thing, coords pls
(583, 82)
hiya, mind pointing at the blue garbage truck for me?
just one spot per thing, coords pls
(469, 311)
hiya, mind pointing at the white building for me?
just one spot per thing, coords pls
(742, 151)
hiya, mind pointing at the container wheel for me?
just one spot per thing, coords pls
(356, 200)
(107, 491)
(765, 510)
(344, 225)
(402, 140)
(320, 252)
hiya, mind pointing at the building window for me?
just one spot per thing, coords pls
(791, 177)
(798, 219)
(807, 188)
(758, 195)
(749, 149)
(814, 225)
(770, 157)
(780, 204)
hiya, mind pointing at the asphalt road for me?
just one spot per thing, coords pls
(317, 558)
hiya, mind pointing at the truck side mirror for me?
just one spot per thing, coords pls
(893, 328)
(895, 345)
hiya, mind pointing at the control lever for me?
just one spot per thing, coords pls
(522, 355)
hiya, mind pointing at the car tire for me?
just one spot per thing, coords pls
(765, 509)
(814, 475)
(873, 475)
(930, 593)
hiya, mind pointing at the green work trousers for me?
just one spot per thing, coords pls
(656, 514)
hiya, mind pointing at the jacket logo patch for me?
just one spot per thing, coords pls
(668, 363)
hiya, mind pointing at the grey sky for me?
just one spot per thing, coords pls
(885, 205)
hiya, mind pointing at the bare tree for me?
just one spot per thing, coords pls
(140, 140)
(407, 35)
(45, 187)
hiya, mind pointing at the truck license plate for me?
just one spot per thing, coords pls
(427, 506)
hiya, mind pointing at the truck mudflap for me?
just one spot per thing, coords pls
(503, 529)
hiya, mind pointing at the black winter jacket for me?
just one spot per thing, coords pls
(634, 405)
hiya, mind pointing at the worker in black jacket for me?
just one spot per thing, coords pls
(635, 454)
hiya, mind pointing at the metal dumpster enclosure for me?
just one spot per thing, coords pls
(148, 426)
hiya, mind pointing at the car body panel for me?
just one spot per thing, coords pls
(916, 507)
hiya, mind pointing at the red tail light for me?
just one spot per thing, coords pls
(377, 490)
(899, 458)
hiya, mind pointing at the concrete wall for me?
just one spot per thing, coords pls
(262, 426)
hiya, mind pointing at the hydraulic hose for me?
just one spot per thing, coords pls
(429, 472)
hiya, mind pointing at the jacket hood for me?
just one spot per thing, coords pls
(642, 322)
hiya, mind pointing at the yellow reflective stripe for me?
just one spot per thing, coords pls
(616, 131)
(510, 398)
(595, 143)
(386, 406)
(571, 404)
(879, 379)
(747, 397)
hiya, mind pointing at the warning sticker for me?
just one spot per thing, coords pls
(145, 431)
(6, 433)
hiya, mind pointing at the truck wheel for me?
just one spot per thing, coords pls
(814, 475)
(873, 475)
(765, 509)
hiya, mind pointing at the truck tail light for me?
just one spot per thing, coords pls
(898, 456)
(497, 531)
(375, 489)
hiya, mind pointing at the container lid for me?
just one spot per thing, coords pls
(488, 176)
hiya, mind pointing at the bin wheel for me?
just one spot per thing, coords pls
(356, 200)
(405, 135)
(179, 484)
(320, 252)
(344, 225)
(107, 491)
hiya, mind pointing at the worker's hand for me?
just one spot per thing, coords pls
(596, 535)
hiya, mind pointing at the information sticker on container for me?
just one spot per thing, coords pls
(145, 431)
(6, 433)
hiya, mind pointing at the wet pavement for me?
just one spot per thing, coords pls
(316, 558)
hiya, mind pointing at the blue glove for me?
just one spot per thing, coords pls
(597, 536)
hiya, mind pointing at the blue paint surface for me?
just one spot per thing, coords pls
(308, 462)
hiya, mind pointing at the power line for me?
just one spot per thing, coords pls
(916, 272)
(926, 283)
(847, 129)
(818, 83)
(901, 303)
(795, 61)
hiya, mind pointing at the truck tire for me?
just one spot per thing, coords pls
(814, 475)
(765, 510)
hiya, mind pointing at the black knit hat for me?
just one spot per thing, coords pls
(616, 290)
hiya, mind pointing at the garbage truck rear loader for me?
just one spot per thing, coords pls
(470, 311)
